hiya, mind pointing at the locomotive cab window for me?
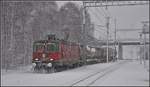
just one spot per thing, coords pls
(38, 48)
(52, 47)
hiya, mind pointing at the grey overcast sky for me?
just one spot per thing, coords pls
(127, 17)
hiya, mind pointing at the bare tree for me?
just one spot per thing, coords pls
(24, 22)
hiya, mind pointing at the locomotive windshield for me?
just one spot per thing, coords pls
(38, 47)
(52, 47)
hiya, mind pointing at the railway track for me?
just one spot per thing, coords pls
(93, 77)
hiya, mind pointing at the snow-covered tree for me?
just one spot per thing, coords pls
(24, 22)
(71, 21)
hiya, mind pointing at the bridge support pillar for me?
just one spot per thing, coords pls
(120, 51)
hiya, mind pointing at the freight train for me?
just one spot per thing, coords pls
(53, 54)
(99, 55)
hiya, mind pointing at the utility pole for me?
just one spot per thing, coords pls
(11, 60)
(115, 34)
(144, 48)
(141, 48)
(144, 32)
(107, 26)
(83, 32)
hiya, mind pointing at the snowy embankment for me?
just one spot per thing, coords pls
(130, 73)
(27, 78)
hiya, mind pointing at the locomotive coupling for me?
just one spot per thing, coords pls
(49, 65)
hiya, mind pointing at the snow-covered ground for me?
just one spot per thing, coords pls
(128, 73)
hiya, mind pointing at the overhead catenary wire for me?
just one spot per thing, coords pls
(101, 32)
(100, 12)
(104, 11)
(104, 29)
(97, 16)
(104, 15)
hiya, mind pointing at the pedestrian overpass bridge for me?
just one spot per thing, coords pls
(123, 42)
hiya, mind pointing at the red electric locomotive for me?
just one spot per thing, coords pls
(51, 54)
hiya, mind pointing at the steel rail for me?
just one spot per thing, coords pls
(110, 69)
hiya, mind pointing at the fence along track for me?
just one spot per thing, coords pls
(103, 71)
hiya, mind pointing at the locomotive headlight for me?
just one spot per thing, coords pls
(49, 64)
(36, 59)
(43, 55)
(51, 59)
